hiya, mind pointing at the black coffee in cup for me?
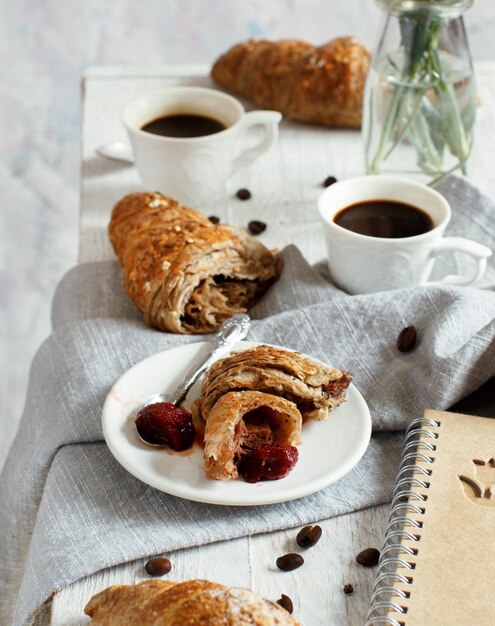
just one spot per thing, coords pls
(384, 218)
(184, 125)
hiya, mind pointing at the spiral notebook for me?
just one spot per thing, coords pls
(437, 565)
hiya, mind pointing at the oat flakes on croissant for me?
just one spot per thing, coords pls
(185, 274)
(322, 84)
(193, 602)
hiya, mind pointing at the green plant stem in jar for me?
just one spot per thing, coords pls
(420, 97)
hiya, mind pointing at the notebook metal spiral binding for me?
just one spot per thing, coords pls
(396, 565)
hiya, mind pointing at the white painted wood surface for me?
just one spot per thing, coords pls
(285, 184)
(315, 588)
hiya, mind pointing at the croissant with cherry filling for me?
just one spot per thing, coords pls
(184, 273)
(193, 602)
(313, 387)
(324, 85)
(241, 422)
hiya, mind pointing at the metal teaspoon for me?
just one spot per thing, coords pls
(230, 332)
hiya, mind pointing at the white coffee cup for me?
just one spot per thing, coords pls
(365, 264)
(193, 170)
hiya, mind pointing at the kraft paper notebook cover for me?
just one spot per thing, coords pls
(437, 566)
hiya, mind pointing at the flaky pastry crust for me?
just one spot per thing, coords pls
(315, 388)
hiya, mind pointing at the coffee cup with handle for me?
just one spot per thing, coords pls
(193, 169)
(363, 263)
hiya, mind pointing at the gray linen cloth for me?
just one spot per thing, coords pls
(61, 516)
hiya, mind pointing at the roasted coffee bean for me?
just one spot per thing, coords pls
(368, 557)
(286, 603)
(290, 561)
(243, 194)
(158, 566)
(214, 219)
(407, 339)
(308, 536)
(255, 227)
(329, 180)
(347, 589)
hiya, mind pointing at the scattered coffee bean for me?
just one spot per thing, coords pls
(214, 219)
(243, 194)
(347, 589)
(158, 566)
(368, 557)
(255, 227)
(286, 603)
(308, 536)
(290, 561)
(407, 339)
(329, 180)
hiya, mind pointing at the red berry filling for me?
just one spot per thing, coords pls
(268, 463)
(164, 423)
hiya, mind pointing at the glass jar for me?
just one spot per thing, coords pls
(420, 98)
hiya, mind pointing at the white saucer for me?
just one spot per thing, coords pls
(329, 449)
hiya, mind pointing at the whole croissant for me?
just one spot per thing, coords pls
(323, 85)
(185, 274)
(194, 602)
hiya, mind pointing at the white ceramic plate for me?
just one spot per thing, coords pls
(328, 451)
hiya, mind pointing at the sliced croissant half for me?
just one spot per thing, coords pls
(315, 388)
(185, 274)
(241, 421)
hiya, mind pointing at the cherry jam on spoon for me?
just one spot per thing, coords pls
(161, 420)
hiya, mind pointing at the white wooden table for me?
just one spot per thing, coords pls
(285, 184)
